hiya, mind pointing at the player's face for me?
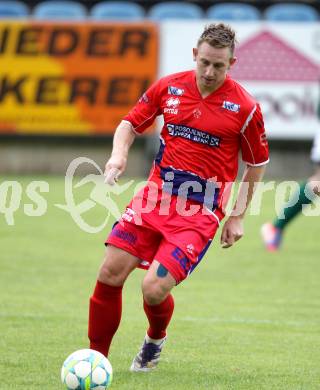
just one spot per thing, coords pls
(212, 64)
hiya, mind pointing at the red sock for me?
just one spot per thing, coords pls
(104, 316)
(159, 317)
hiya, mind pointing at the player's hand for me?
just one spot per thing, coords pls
(232, 231)
(114, 168)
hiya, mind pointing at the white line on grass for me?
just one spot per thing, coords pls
(253, 321)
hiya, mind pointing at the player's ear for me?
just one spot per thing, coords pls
(232, 61)
(195, 53)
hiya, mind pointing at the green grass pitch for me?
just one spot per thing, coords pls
(246, 319)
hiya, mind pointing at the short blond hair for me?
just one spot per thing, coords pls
(218, 35)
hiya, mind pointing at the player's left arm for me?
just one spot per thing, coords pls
(255, 154)
(233, 228)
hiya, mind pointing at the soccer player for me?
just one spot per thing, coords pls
(168, 226)
(272, 233)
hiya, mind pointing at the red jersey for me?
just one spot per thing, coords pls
(201, 137)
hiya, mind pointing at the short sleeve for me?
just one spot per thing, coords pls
(254, 144)
(146, 110)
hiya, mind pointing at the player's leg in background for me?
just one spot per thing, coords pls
(106, 302)
(272, 232)
(291, 211)
(314, 181)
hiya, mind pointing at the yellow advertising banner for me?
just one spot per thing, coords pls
(73, 78)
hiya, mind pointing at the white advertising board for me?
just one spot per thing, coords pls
(278, 63)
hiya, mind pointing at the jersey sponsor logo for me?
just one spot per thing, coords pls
(175, 91)
(193, 135)
(231, 106)
(172, 106)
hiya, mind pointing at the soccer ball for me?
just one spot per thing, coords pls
(86, 369)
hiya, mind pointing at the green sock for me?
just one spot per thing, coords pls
(291, 212)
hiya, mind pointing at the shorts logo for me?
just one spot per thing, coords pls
(182, 259)
(190, 249)
(128, 215)
(175, 91)
(263, 138)
(231, 106)
(124, 236)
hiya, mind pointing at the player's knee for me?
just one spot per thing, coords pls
(110, 274)
(153, 293)
(316, 188)
(314, 184)
(116, 266)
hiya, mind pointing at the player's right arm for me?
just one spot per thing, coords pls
(137, 121)
(122, 140)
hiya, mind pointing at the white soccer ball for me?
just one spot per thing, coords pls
(86, 369)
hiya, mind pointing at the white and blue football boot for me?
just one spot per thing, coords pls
(149, 355)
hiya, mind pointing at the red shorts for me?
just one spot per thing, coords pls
(177, 241)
